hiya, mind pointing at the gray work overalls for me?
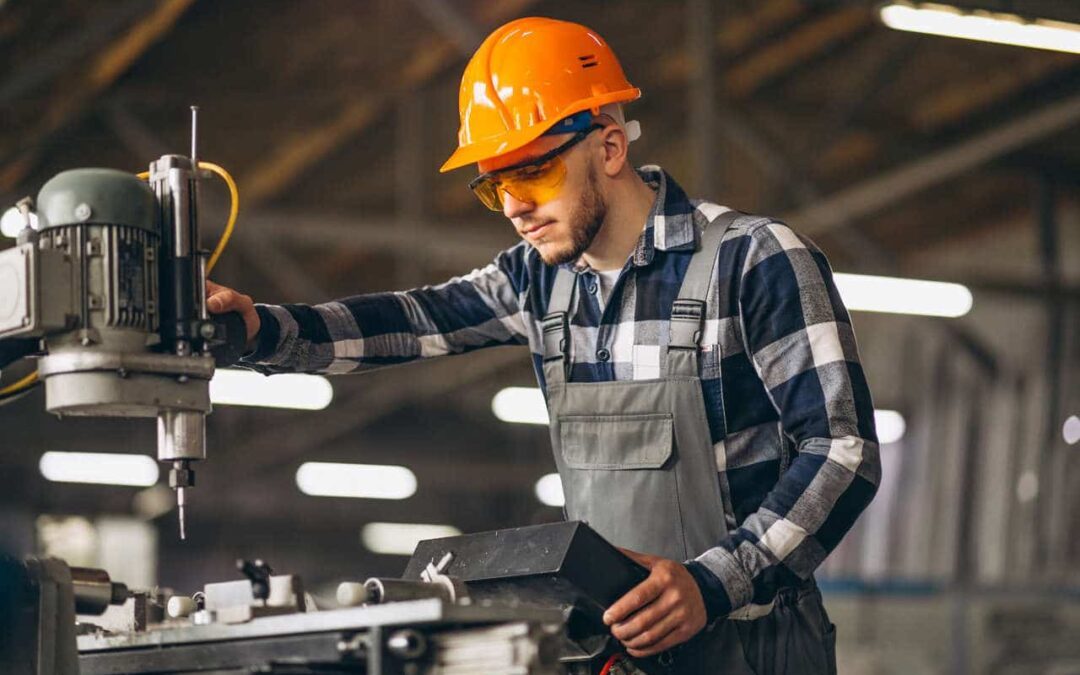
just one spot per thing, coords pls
(636, 462)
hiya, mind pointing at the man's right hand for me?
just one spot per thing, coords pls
(220, 300)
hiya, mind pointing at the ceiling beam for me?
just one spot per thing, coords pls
(808, 40)
(736, 34)
(58, 55)
(892, 186)
(953, 104)
(72, 101)
(306, 150)
(453, 23)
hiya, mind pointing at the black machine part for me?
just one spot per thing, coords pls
(258, 573)
(38, 601)
(565, 565)
(230, 338)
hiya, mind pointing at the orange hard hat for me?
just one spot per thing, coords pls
(525, 77)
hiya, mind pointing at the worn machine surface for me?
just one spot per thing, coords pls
(524, 600)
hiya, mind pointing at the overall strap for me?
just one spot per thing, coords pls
(555, 328)
(688, 311)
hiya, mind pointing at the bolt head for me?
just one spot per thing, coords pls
(83, 211)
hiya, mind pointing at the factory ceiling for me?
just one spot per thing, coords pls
(334, 115)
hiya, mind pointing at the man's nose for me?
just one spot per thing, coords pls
(514, 207)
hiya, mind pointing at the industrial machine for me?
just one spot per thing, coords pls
(518, 601)
(108, 291)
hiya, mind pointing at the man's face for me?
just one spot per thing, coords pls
(563, 228)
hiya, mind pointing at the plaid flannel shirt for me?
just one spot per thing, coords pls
(787, 402)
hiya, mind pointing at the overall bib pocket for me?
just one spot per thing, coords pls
(620, 478)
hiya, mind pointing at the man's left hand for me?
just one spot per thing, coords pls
(664, 610)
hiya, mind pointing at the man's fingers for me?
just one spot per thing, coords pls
(227, 300)
(221, 299)
(656, 632)
(636, 598)
(673, 638)
(644, 619)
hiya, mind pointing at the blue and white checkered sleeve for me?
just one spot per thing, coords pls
(802, 345)
(480, 309)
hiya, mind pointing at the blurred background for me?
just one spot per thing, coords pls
(901, 154)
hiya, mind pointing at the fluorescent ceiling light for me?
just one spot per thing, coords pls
(549, 490)
(402, 538)
(1071, 431)
(362, 481)
(12, 222)
(890, 426)
(903, 296)
(99, 468)
(1009, 29)
(246, 387)
(524, 405)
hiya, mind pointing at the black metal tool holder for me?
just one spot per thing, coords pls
(565, 565)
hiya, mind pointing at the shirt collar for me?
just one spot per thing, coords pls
(669, 225)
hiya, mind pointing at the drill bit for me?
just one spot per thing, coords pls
(180, 504)
(181, 477)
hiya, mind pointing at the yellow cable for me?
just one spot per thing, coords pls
(24, 383)
(234, 209)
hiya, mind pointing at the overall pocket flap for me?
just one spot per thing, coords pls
(615, 442)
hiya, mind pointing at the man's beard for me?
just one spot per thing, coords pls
(585, 222)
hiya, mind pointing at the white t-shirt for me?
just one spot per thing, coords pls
(607, 281)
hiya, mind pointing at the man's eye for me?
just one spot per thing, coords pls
(532, 171)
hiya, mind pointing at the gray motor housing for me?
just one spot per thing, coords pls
(91, 271)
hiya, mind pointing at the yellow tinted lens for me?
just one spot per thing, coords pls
(487, 191)
(536, 184)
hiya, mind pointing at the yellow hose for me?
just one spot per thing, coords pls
(234, 210)
(16, 387)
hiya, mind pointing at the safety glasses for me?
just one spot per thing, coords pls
(535, 181)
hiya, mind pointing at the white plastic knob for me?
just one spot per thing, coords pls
(351, 594)
(180, 606)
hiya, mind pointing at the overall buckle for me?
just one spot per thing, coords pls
(555, 328)
(687, 323)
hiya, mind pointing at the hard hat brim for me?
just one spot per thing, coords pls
(514, 140)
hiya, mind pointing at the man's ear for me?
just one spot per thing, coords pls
(615, 146)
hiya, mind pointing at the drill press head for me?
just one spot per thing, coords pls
(113, 284)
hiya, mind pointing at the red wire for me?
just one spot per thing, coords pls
(612, 660)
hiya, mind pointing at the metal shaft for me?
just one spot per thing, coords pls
(181, 505)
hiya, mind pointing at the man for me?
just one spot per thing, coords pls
(708, 410)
